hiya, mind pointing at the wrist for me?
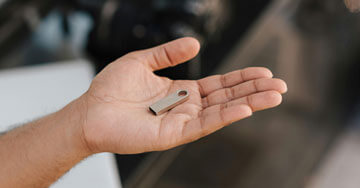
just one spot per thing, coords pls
(73, 118)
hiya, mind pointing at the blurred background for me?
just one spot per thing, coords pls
(312, 140)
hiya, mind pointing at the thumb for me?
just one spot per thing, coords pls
(170, 54)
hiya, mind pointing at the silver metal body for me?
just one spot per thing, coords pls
(169, 102)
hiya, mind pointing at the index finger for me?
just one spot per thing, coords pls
(214, 83)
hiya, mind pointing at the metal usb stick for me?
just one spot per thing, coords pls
(169, 102)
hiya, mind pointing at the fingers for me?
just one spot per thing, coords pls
(209, 123)
(218, 116)
(213, 83)
(256, 102)
(169, 54)
(250, 87)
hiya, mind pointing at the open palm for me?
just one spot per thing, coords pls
(118, 118)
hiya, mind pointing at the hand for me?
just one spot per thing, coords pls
(117, 115)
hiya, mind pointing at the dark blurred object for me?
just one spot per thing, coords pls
(18, 19)
(331, 32)
(125, 26)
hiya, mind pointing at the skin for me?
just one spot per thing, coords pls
(353, 5)
(113, 116)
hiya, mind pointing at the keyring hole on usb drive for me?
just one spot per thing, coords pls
(182, 93)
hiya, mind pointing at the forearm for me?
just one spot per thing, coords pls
(37, 154)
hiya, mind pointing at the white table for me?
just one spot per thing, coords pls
(31, 92)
